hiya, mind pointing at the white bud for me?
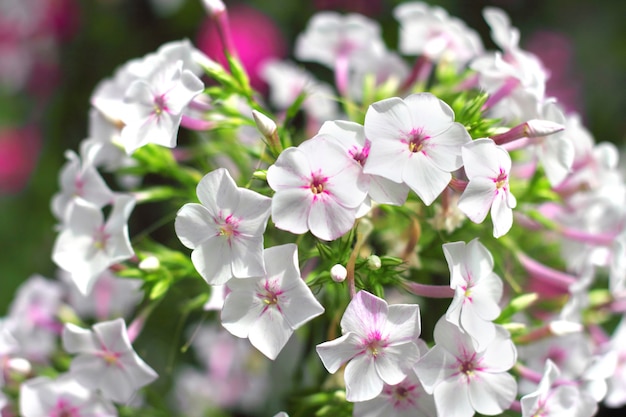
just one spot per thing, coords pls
(538, 128)
(20, 366)
(266, 126)
(338, 273)
(373, 262)
(151, 263)
(214, 7)
(564, 327)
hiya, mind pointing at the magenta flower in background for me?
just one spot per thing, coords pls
(19, 151)
(255, 36)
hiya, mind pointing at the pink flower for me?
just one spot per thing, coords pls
(19, 151)
(378, 342)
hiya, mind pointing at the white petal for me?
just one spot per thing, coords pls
(365, 315)
(328, 220)
(362, 380)
(336, 352)
(290, 209)
(445, 148)
(194, 224)
(385, 191)
(77, 339)
(427, 180)
(247, 257)
(217, 190)
(241, 309)
(291, 170)
(452, 398)
(483, 158)
(501, 215)
(212, 260)
(270, 333)
(477, 199)
(429, 113)
(491, 394)
(395, 362)
(403, 323)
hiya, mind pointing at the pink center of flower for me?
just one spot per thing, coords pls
(416, 139)
(501, 179)
(111, 358)
(159, 104)
(375, 344)
(468, 365)
(64, 409)
(403, 396)
(100, 238)
(228, 227)
(360, 155)
(317, 183)
(270, 296)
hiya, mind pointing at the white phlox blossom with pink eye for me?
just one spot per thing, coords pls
(378, 342)
(319, 187)
(268, 309)
(155, 104)
(287, 81)
(477, 290)
(226, 230)
(514, 78)
(552, 399)
(351, 137)
(63, 396)
(87, 245)
(80, 178)
(333, 39)
(406, 399)
(414, 141)
(429, 31)
(464, 380)
(488, 167)
(105, 360)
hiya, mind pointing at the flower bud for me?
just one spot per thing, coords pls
(373, 262)
(338, 273)
(151, 263)
(213, 7)
(268, 129)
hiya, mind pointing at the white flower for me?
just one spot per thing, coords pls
(464, 380)
(106, 360)
(269, 308)
(86, 245)
(64, 396)
(226, 230)
(318, 188)
(414, 141)
(488, 166)
(378, 342)
(477, 290)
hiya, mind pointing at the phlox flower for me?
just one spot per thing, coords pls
(551, 399)
(463, 380)
(379, 343)
(406, 399)
(226, 230)
(63, 396)
(79, 178)
(86, 245)
(415, 141)
(488, 167)
(269, 308)
(106, 360)
(351, 137)
(429, 30)
(155, 105)
(477, 290)
(332, 39)
(318, 187)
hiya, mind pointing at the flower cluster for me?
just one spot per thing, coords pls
(340, 226)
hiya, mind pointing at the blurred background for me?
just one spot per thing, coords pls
(54, 52)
